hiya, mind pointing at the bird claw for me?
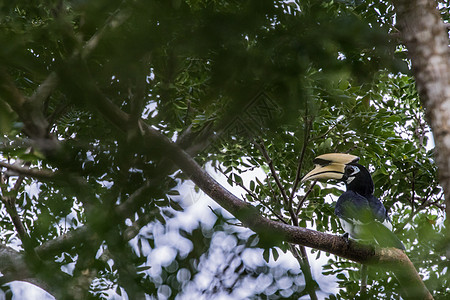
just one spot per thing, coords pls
(345, 236)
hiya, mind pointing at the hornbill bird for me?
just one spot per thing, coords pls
(362, 216)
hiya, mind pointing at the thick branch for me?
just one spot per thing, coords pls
(9, 91)
(24, 171)
(45, 89)
(35, 123)
(30, 111)
(14, 266)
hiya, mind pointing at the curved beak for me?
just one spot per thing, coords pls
(330, 166)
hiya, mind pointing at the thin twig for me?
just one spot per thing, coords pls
(326, 133)
(300, 162)
(10, 205)
(363, 288)
(302, 258)
(413, 190)
(304, 263)
(269, 161)
(425, 203)
(300, 204)
(255, 197)
(274, 194)
(241, 185)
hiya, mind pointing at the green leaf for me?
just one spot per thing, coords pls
(275, 254)
(266, 255)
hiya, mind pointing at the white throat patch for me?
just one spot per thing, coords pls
(350, 179)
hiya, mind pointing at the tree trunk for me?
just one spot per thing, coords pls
(426, 38)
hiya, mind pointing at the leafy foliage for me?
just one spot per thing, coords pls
(240, 85)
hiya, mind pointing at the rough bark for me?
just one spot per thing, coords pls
(426, 38)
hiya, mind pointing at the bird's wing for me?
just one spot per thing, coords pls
(353, 211)
(366, 219)
(379, 211)
(354, 208)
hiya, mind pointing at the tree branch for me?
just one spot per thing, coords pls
(13, 266)
(300, 164)
(300, 203)
(34, 121)
(115, 20)
(269, 161)
(249, 192)
(9, 92)
(25, 171)
(45, 89)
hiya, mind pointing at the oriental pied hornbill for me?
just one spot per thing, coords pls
(362, 216)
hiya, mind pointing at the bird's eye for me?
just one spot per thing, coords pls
(351, 170)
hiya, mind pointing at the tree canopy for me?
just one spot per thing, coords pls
(108, 107)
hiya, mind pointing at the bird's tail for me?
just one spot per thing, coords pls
(385, 237)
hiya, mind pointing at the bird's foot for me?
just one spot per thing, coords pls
(346, 237)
